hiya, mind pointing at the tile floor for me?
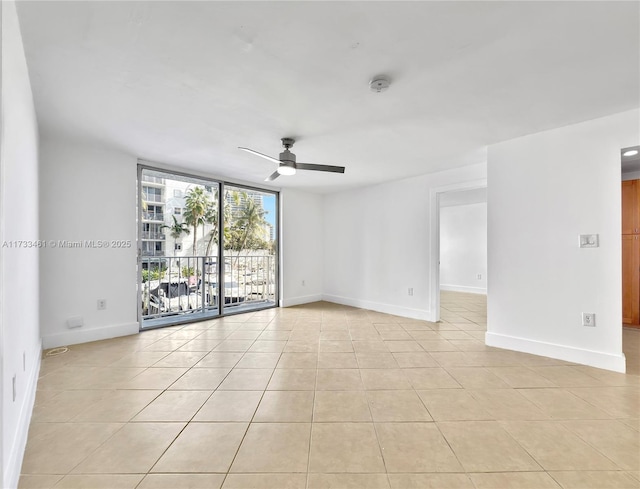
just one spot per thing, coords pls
(328, 396)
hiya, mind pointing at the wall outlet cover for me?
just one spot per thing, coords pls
(589, 319)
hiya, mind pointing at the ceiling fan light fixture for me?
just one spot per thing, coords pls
(631, 152)
(286, 170)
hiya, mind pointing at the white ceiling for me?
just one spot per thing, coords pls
(185, 83)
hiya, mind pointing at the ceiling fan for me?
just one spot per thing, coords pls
(287, 163)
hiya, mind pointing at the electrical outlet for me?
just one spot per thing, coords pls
(588, 318)
(102, 304)
(14, 387)
(410, 290)
(75, 322)
(303, 283)
(479, 276)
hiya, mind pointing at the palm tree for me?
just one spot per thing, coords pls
(197, 203)
(177, 229)
(251, 222)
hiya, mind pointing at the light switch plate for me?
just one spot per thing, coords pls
(589, 240)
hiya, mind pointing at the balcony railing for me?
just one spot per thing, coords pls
(153, 235)
(150, 179)
(152, 198)
(153, 216)
(176, 285)
(152, 252)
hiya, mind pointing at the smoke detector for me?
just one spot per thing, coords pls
(379, 84)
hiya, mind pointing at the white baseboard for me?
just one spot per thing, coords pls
(304, 299)
(81, 335)
(597, 359)
(381, 307)
(464, 288)
(16, 450)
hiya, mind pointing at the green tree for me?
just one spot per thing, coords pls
(177, 229)
(197, 204)
(250, 222)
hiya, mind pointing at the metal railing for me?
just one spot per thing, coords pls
(153, 216)
(149, 178)
(176, 285)
(152, 235)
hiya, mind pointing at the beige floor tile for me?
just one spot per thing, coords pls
(65, 405)
(395, 335)
(504, 404)
(439, 345)
(153, 378)
(182, 481)
(454, 359)
(247, 379)
(376, 360)
(285, 407)
(521, 377)
(484, 446)
(56, 448)
(132, 450)
(230, 406)
(38, 481)
(567, 376)
(166, 345)
(452, 405)
(203, 447)
(298, 360)
(556, 448)
(220, 360)
(258, 360)
(341, 406)
(384, 379)
(243, 335)
(180, 359)
(430, 378)
(268, 346)
(633, 423)
(140, 359)
(234, 345)
(430, 481)
(302, 344)
(206, 379)
(618, 442)
(293, 379)
(396, 405)
(619, 401)
(606, 377)
(595, 480)
(274, 447)
(337, 335)
(265, 481)
(173, 406)
(336, 346)
(337, 360)
(414, 359)
(199, 345)
(102, 481)
(510, 480)
(477, 378)
(348, 481)
(562, 404)
(403, 346)
(279, 336)
(343, 379)
(344, 447)
(118, 406)
(415, 447)
(370, 346)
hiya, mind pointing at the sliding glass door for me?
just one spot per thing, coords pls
(201, 255)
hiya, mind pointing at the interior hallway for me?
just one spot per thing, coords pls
(324, 395)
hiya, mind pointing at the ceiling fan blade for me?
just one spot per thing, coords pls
(259, 154)
(311, 166)
(272, 177)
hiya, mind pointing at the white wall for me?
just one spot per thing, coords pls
(87, 194)
(463, 248)
(301, 242)
(634, 175)
(545, 190)
(377, 243)
(20, 334)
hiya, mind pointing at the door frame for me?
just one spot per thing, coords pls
(434, 233)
